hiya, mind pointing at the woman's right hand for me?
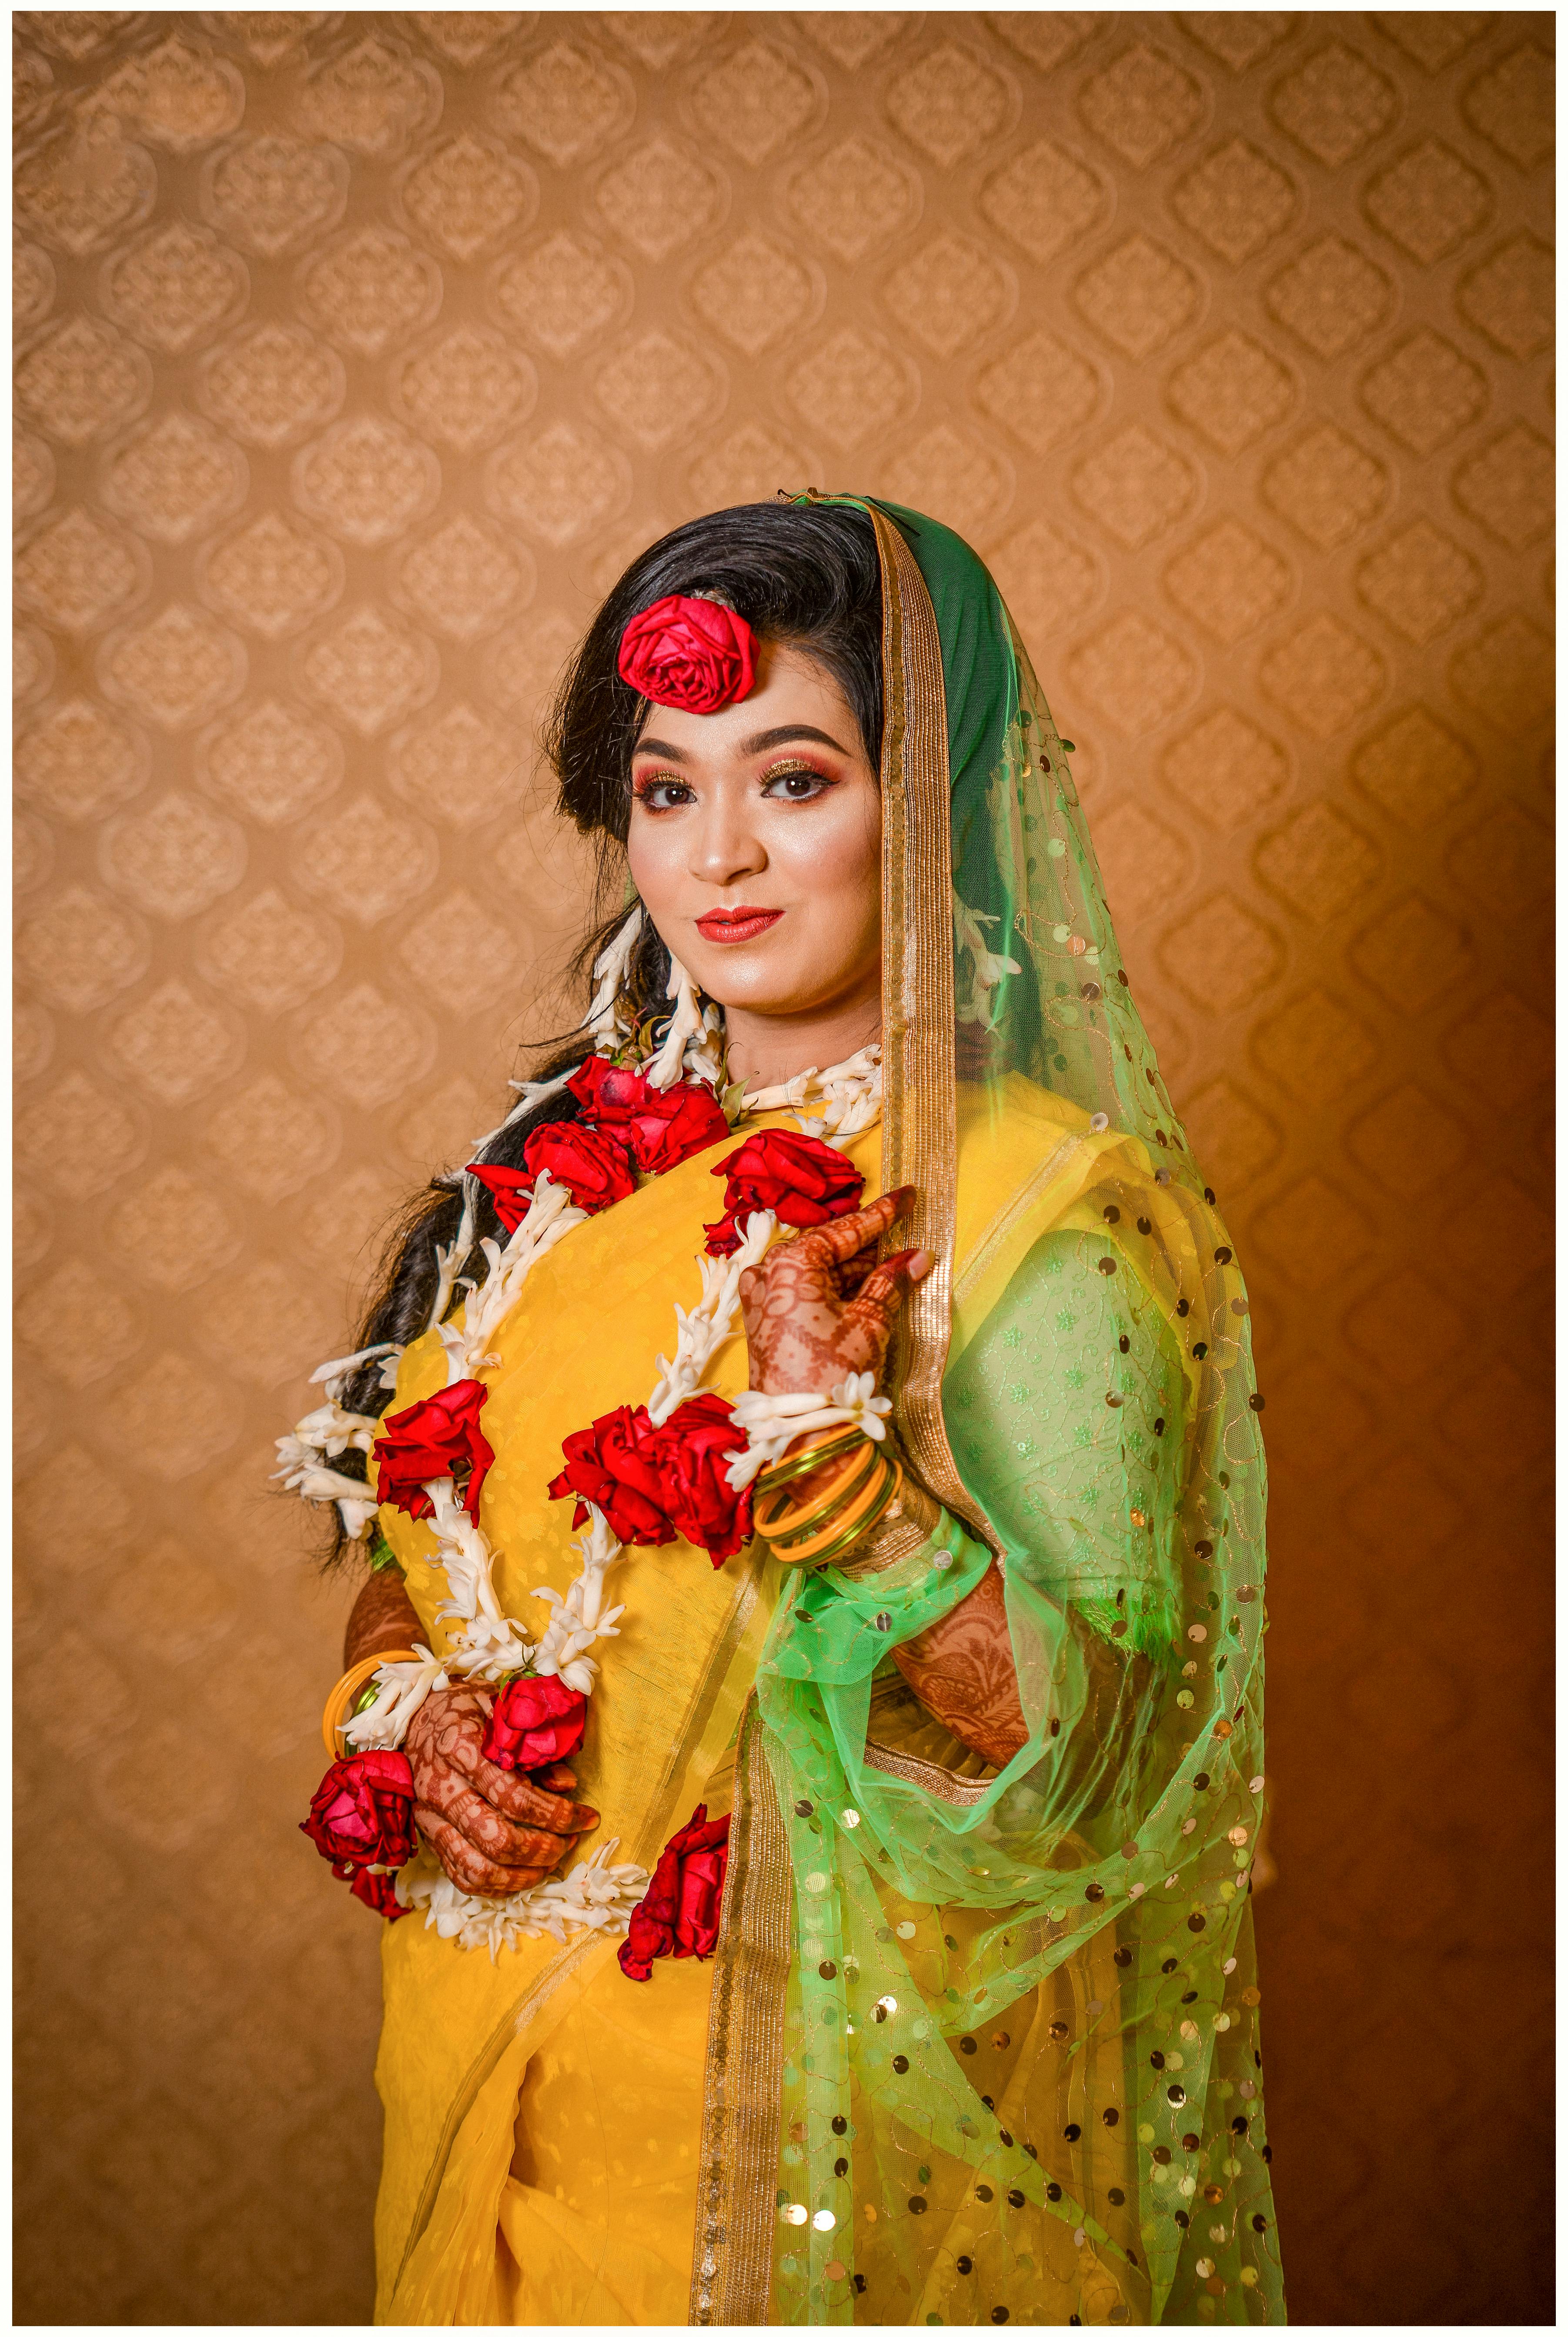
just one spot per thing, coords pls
(494, 1830)
(819, 1307)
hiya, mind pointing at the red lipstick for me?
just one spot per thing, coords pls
(741, 925)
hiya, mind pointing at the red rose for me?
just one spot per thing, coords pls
(687, 652)
(362, 1812)
(802, 1180)
(694, 1449)
(662, 1129)
(680, 1915)
(533, 1722)
(379, 1893)
(594, 1166)
(614, 1464)
(438, 1437)
(591, 1161)
(684, 1119)
(610, 1094)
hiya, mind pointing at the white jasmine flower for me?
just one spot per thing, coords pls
(400, 1690)
(595, 1896)
(335, 1372)
(702, 1332)
(772, 1423)
(988, 966)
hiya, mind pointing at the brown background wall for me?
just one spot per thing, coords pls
(357, 354)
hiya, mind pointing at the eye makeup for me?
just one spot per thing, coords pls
(647, 785)
(797, 767)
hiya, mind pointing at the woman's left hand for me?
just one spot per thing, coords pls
(819, 1307)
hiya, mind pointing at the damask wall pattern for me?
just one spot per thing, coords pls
(355, 351)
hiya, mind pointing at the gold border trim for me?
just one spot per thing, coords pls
(732, 2239)
(962, 1793)
(919, 1115)
(732, 2248)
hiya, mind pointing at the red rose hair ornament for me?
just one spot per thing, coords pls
(693, 654)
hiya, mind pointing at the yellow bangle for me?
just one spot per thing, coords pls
(845, 1524)
(849, 1537)
(779, 1519)
(341, 1702)
(823, 1447)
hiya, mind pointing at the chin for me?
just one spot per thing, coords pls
(741, 974)
(761, 992)
(747, 974)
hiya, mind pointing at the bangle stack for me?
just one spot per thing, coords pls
(345, 1698)
(841, 1514)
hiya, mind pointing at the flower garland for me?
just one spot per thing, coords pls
(772, 1423)
(668, 1467)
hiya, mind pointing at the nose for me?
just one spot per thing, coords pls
(725, 845)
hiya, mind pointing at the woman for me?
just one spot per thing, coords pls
(942, 1748)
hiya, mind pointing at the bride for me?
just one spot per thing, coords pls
(803, 1719)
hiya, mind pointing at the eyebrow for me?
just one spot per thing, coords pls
(757, 745)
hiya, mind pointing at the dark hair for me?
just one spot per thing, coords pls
(806, 575)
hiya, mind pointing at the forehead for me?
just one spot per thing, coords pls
(792, 689)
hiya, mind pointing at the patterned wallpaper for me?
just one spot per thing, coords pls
(356, 353)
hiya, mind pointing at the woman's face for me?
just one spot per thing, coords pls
(755, 843)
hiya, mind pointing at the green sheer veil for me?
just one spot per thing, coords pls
(986, 2047)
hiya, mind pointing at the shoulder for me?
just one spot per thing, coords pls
(1014, 1108)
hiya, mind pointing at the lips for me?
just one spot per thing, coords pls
(741, 924)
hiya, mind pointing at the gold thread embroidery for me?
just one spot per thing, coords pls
(732, 2241)
(963, 1792)
(920, 1119)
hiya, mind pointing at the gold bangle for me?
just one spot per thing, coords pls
(814, 1455)
(859, 1528)
(340, 1703)
(847, 1525)
(780, 1520)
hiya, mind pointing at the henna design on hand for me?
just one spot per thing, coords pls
(962, 1670)
(819, 1307)
(494, 1831)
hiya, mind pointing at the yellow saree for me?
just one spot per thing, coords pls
(543, 2113)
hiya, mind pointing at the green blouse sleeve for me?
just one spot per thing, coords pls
(1065, 1415)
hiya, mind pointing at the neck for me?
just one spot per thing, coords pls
(765, 1050)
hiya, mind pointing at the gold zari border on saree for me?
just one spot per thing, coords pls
(732, 2249)
(919, 1116)
(733, 2243)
